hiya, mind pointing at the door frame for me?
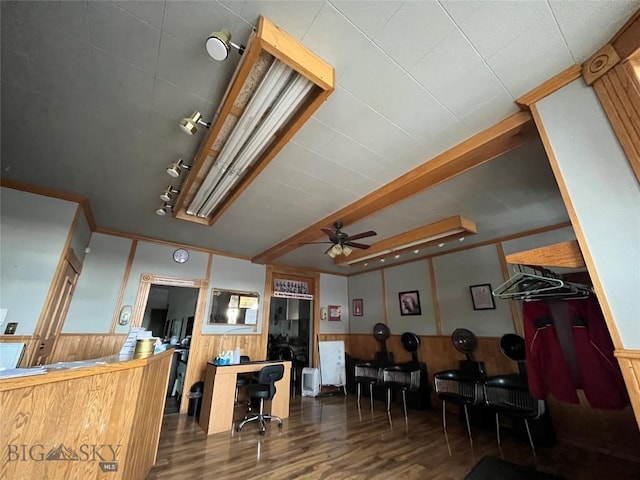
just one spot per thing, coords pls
(296, 274)
(148, 279)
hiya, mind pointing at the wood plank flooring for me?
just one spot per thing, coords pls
(324, 438)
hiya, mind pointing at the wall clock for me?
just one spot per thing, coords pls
(181, 255)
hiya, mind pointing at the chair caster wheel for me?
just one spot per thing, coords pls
(280, 426)
(261, 433)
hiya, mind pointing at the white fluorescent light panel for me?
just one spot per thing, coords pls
(281, 92)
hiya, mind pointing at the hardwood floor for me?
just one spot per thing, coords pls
(324, 438)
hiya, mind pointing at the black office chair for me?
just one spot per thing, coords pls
(369, 374)
(265, 389)
(242, 380)
(287, 353)
(403, 378)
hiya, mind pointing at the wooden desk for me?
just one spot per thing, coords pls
(218, 397)
(95, 422)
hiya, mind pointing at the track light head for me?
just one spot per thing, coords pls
(162, 211)
(219, 44)
(190, 124)
(168, 193)
(175, 169)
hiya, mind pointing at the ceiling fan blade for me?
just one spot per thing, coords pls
(357, 245)
(357, 236)
(331, 234)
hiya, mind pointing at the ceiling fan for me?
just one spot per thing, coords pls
(343, 242)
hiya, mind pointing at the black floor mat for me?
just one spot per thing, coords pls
(491, 468)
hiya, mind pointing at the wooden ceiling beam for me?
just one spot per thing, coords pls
(504, 136)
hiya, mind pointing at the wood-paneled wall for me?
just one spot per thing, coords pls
(72, 347)
(208, 348)
(630, 365)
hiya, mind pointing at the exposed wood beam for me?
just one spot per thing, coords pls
(547, 88)
(564, 254)
(482, 147)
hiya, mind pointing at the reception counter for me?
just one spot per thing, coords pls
(95, 422)
(218, 399)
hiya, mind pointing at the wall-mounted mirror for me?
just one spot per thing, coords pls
(234, 307)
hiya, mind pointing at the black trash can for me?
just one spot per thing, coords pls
(195, 399)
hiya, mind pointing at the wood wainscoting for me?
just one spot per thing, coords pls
(84, 346)
(208, 348)
(630, 365)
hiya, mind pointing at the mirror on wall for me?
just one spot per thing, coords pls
(234, 307)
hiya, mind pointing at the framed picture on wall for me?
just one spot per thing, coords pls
(410, 303)
(481, 297)
(335, 312)
(357, 308)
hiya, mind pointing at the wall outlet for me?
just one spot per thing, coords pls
(11, 328)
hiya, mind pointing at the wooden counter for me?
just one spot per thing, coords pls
(218, 397)
(97, 422)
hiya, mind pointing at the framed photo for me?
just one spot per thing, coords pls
(357, 309)
(335, 312)
(481, 297)
(409, 303)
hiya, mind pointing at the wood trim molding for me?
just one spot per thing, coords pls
(482, 147)
(582, 242)
(123, 286)
(49, 192)
(434, 296)
(516, 316)
(564, 254)
(142, 238)
(629, 361)
(547, 88)
(600, 63)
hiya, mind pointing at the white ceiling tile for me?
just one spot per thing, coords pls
(296, 15)
(123, 35)
(368, 16)
(115, 78)
(492, 111)
(436, 70)
(478, 86)
(349, 115)
(330, 143)
(336, 175)
(491, 25)
(193, 71)
(150, 12)
(444, 140)
(68, 17)
(588, 25)
(331, 48)
(192, 26)
(413, 31)
(174, 102)
(411, 108)
(532, 58)
(235, 5)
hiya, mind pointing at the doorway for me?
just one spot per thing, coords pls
(290, 335)
(169, 314)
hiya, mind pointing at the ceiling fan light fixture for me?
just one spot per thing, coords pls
(190, 124)
(337, 249)
(175, 169)
(331, 253)
(168, 193)
(346, 250)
